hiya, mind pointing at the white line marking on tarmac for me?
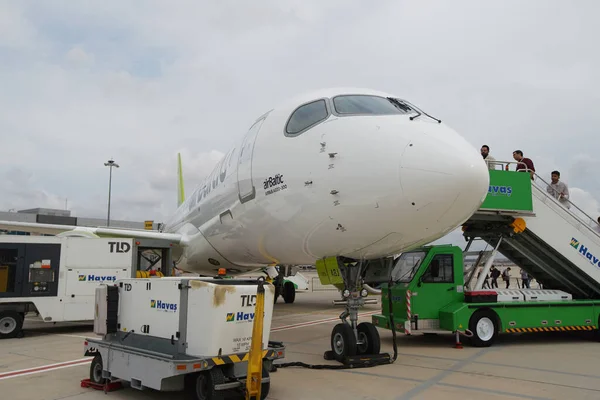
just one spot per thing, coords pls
(75, 336)
(82, 361)
(317, 322)
(44, 368)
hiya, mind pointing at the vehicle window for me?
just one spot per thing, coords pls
(406, 266)
(440, 270)
(307, 116)
(371, 105)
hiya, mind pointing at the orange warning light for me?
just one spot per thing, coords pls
(222, 271)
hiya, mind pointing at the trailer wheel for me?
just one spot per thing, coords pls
(484, 327)
(343, 341)
(289, 292)
(11, 324)
(266, 386)
(96, 370)
(369, 335)
(205, 384)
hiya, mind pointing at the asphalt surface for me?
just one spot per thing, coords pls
(48, 363)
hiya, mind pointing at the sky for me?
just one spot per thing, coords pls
(140, 81)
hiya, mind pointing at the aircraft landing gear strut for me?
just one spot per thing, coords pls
(349, 339)
(286, 289)
(354, 345)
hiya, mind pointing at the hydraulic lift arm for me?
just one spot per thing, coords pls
(255, 362)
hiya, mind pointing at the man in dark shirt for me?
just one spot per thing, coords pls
(525, 164)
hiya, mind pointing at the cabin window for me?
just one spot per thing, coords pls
(369, 105)
(306, 117)
(440, 270)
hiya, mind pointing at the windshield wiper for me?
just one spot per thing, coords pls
(406, 106)
(400, 105)
(438, 120)
(412, 270)
(411, 118)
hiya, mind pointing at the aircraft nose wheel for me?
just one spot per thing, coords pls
(368, 336)
(343, 342)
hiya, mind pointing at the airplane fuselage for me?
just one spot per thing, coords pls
(361, 186)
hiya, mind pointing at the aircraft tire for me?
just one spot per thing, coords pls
(289, 292)
(11, 324)
(343, 341)
(369, 334)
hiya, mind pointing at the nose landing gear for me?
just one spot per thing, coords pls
(353, 345)
(352, 342)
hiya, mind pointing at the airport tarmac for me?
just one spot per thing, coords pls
(48, 363)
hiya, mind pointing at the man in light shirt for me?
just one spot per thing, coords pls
(559, 190)
(485, 153)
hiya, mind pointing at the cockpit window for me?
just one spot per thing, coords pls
(370, 105)
(307, 116)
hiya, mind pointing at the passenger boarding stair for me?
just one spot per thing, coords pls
(558, 247)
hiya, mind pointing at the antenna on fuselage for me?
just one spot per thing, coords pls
(180, 190)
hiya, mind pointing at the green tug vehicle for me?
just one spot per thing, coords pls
(556, 243)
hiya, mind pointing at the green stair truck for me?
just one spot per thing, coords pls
(556, 243)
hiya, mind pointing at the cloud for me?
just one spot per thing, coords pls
(86, 81)
(79, 57)
(586, 203)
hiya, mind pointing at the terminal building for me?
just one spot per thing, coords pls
(63, 217)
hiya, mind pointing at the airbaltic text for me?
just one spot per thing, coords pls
(274, 184)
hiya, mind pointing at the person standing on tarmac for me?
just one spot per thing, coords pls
(524, 279)
(486, 284)
(495, 274)
(506, 276)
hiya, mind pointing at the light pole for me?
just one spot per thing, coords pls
(110, 164)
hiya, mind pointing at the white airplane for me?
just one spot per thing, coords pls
(350, 173)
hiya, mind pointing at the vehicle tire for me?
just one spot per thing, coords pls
(370, 337)
(289, 292)
(277, 292)
(96, 370)
(265, 387)
(205, 384)
(484, 327)
(343, 341)
(11, 324)
(596, 332)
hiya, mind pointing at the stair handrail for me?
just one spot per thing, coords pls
(594, 226)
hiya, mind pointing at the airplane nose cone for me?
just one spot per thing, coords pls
(444, 178)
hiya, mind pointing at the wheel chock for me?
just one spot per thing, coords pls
(107, 387)
(363, 360)
(368, 360)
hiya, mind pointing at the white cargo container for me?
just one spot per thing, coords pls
(221, 309)
(165, 333)
(55, 277)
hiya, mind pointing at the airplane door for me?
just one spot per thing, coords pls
(246, 188)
